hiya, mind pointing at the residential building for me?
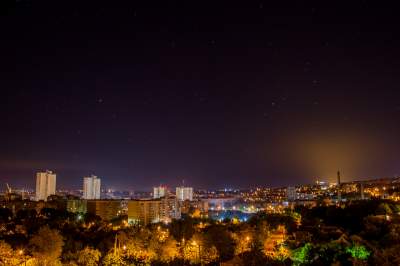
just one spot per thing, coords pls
(170, 209)
(184, 193)
(106, 209)
(159, 192)
(45, 185)
(144, 211)
(153, 210)
(77, 206)
(91, 187)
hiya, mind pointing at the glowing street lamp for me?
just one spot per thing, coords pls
(21, 253)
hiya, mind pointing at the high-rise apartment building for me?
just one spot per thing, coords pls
(153, 210)
(144, 211)
(45, 185)
(159, 192)
(91, 187)
(184, 193)
(170, 209)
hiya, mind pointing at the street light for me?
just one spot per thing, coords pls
(21, 253)
(246, 239)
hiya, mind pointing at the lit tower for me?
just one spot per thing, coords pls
(91, 187)
(159, 192)
(362, 190)
(45, 185)
(184, 193)
(339, 187)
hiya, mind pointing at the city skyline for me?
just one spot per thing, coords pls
(92, 185)
(171, 133)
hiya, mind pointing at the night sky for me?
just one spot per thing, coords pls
(220, 95)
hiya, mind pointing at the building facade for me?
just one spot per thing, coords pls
(76, 206)
(184, 193)
(144, 211)
(196, 208)
(105, 209)
(170, 209)
(91, 187)
(153, 211)
(45, 185)
(159, 192)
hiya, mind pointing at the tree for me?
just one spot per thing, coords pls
(199, 249)
(137, 245)
(26, 214)
(253, 258)
(112, 259)
(89, 257)
(5, 215)
(221, 238)
(389, 256)
(245, 239)
(384, 209)
(330, 253)
(358, 252)
(209, 255)
(182, 229)
(301, 255)
(281, 253)
(47, 245)
(6, 254)
(169, 250)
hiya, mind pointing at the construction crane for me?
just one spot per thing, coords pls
(8, 188)
(8, 193)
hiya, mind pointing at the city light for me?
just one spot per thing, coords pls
(162, 133)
